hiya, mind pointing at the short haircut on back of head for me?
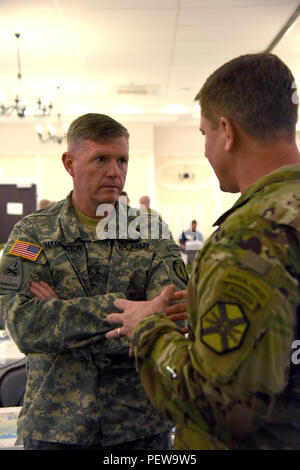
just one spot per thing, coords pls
(96, 127)
(254, 90)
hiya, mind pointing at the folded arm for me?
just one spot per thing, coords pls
(47, 324)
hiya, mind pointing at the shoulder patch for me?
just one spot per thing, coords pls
(25, 250)
(180, 270)
(223, 327)
(12, 276)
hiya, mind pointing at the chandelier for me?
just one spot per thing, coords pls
(53, 132)
(19, 106)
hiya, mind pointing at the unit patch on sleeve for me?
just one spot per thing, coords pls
(223, 327)
(25, 250)
(179, 268)
(12, 276)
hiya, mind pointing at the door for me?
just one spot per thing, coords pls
(15, 202)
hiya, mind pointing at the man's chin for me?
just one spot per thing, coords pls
(108, 196)
(108, 199)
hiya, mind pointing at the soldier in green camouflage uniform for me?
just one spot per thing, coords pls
(82, 389)
(232, 384)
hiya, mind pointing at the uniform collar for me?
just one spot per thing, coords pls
(70, 225)
(68, 221)
(284, 173)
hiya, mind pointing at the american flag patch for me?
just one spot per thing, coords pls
(26, 250)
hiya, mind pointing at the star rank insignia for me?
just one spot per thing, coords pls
(223, 327)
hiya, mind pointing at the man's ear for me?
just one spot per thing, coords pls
(228, 133)
(67, 159)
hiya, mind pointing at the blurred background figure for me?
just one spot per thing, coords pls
(190, 242)
(44, 203)
(145, 201)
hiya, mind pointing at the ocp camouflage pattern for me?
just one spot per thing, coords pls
(81, 388)
(231, 384)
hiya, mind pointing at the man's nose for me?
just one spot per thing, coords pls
(113, 169)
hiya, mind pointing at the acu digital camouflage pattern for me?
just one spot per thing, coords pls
(231, 385)
(81, 388)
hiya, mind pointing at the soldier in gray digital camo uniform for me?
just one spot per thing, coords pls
(58, 282)
(232, 383)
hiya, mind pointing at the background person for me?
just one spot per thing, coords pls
(232, 384)
(44, 203)
(145, 202)
(190, 243)
(190, 234)
(58, 282)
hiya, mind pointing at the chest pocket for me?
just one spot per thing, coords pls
(129, 269)
(67, 279)
(98, 265)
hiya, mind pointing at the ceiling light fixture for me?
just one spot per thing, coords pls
(55, 132)
(186, 176)
(20, 103)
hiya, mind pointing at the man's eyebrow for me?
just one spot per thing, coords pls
(202, 131)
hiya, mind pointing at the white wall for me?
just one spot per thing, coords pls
(179, 150)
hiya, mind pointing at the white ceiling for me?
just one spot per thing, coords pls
(90, 48)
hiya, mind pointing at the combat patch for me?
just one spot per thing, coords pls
(223, 327)
(25, 250)
(12, 276)
(254, 286)
(180, 271)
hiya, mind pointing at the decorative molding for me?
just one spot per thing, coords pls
(188, 176)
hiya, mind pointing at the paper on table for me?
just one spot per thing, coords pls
(8, 425)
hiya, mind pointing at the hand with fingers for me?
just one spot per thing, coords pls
(136, 311)
(42, 291)
(178, 312)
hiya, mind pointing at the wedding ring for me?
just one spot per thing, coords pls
(119, 334)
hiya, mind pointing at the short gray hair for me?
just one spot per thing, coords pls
(96, 127)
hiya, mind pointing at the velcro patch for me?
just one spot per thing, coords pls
(12, 275)
(25, 250)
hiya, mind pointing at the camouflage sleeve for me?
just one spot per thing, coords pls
(52, 325)
(167, 268)
(223, 382)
